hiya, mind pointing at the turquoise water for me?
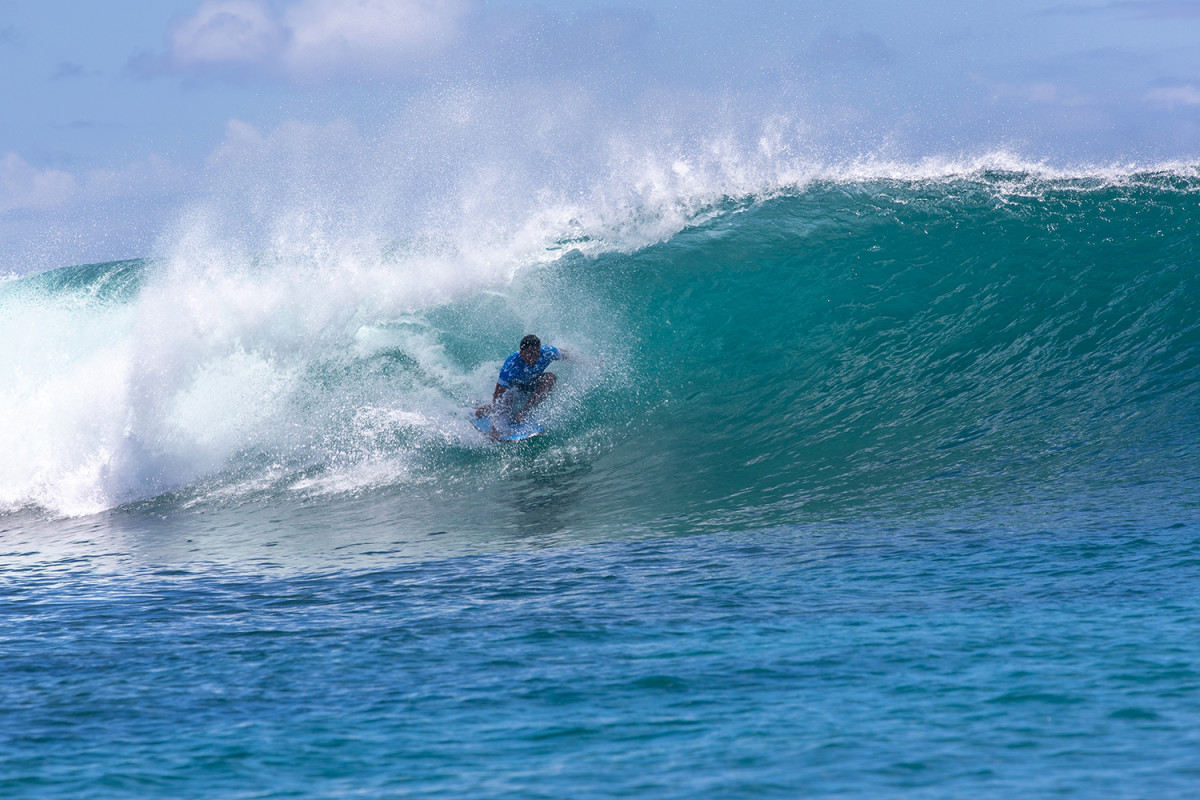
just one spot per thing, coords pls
(864, 487)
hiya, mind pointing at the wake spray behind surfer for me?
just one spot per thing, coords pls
(524, 374)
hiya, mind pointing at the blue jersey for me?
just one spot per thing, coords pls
(516, 372)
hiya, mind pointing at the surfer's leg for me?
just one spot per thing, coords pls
(541, 390)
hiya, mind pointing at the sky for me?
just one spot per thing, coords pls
(121, 118)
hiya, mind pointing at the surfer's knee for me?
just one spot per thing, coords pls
(547, 381)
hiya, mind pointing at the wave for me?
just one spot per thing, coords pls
(774, 343)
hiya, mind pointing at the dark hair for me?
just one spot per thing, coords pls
(531, 341)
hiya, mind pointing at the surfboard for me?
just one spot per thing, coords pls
(508, 433)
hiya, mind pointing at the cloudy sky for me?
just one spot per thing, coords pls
(118, 115)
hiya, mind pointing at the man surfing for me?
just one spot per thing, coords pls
(524, 376)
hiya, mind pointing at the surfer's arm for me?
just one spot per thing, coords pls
(486, 408)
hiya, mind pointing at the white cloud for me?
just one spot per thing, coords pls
(1188, 95)
(224, 32)
(307, 37)
(51, 217)
(23, 186)
(333, 32)
(296, 143)
(240, 137)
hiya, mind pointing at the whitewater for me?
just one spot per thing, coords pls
(878, 479)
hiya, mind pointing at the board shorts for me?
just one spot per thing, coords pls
(528, 386)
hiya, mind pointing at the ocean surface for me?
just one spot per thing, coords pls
(879, 483)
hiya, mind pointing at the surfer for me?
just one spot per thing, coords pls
(525, 372)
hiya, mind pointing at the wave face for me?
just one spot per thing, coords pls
(851, 345)
(886, 345)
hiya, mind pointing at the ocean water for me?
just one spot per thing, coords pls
(876, 483)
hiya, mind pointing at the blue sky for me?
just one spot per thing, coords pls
(120, 114)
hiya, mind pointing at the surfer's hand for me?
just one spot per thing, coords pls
(483, 410)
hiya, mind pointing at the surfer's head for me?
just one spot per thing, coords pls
(531, 349)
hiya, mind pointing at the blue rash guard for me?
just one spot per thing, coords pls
(516, 372)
